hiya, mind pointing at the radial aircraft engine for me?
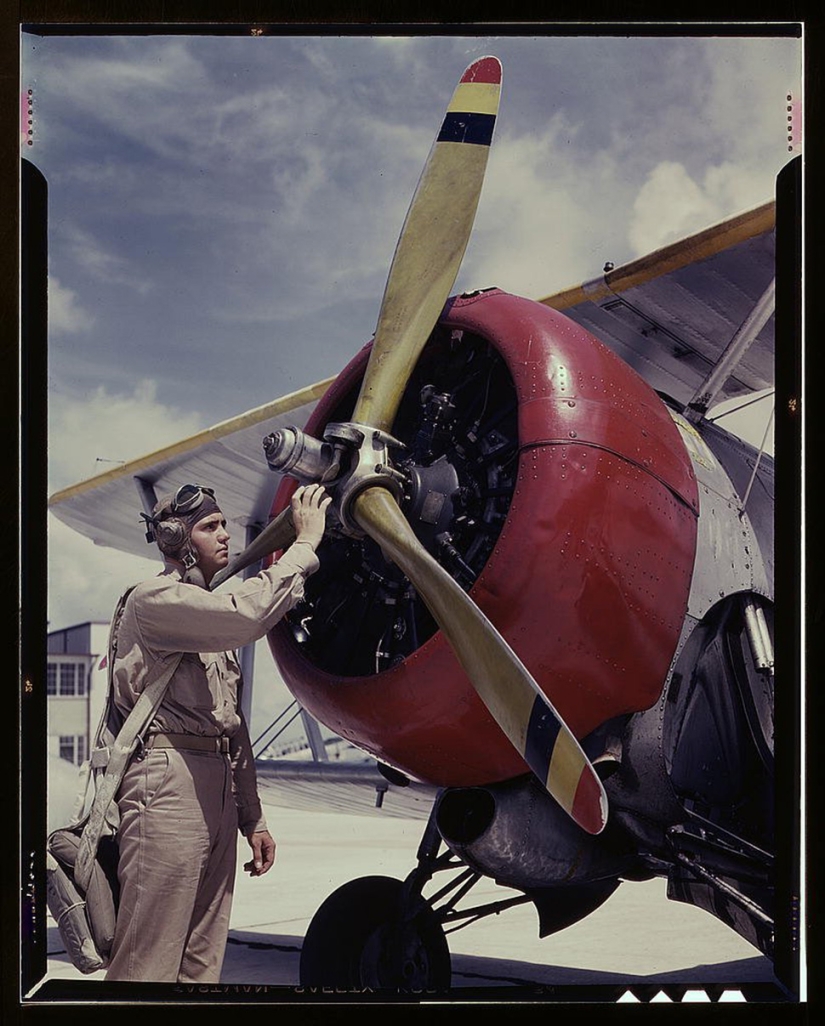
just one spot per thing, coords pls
(539, 592)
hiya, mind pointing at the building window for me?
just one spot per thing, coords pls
(68, 676)
(66, 679)
(73, 748)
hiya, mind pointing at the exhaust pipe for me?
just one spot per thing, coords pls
(518, 835)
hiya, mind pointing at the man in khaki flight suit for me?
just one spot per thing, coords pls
(183, 799)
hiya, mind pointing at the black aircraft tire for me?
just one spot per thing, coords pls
(356, 941)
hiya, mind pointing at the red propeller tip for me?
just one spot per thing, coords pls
(485, 69)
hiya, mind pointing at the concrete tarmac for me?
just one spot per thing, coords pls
(637, 937)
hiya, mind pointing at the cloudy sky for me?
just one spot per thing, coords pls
(223, 210)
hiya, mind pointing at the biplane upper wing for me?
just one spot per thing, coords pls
(229, 457)
(671, 314)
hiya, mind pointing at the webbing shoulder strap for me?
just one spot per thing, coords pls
(103, 734)
(121, 751)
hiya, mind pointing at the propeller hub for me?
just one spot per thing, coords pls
(350, 458)
(370, 466)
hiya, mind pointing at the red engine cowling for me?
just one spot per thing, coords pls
(588, 580)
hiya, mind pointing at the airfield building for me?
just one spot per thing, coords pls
(76, 688)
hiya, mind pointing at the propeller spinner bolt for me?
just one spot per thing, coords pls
(290, 451)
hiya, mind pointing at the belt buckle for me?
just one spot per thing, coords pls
(223, 745)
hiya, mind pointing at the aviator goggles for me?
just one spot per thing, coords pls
(189, 497)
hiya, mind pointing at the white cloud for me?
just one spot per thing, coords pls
(85, 579)
(328, 226)
(87, 433)
(748, 87)
(734, 187)
(736, 142)
(541, 220)
(66, 315)
(671, 204)
(102, 264)
(154, 122)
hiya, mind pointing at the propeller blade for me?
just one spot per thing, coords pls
(432, 242)
(500, 678)
(276, 535)
(427, 257)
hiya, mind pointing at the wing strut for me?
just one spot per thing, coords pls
(315, 738)
(147, 493)
(742, 340)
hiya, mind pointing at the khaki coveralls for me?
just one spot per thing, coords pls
(181, 809)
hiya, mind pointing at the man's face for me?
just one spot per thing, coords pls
(210, 540)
